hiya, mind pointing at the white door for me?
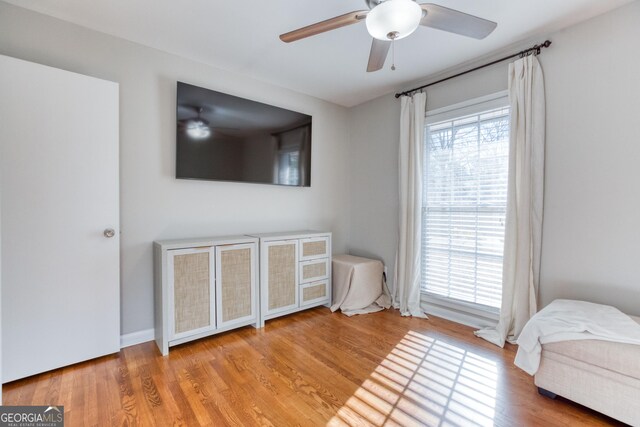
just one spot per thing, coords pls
(59, 175)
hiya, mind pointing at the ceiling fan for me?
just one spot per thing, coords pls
(199, 128)
(390, 20)
(196, 127)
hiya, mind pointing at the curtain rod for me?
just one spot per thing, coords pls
(534, 49)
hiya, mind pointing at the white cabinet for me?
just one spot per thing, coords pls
(203, 287)
(207, 286)
(295, 272)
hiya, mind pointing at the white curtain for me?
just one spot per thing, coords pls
(406, 294)
(523, 228)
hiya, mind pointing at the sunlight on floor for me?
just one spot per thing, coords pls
(424, 381)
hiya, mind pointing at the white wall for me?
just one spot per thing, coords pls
(0, 292)
(373, 156)
(591, 238)
(154, 205)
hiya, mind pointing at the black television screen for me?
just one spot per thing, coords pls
(226, 138)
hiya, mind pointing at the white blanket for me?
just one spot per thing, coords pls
(566, 320)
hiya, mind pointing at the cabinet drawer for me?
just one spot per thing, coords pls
(313, 270)
(314, 247)
(314, 293)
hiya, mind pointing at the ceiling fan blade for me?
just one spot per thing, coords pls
(378, 54)
(453, 21)
(324, 26)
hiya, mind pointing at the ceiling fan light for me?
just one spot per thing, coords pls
(198, 129)
(394, 16)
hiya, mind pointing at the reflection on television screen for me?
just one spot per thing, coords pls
(226, 138)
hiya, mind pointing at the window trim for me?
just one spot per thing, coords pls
(467, 108)
(448, 307)
(458, 311)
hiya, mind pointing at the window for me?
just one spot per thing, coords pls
(464, 203)
(289, 167)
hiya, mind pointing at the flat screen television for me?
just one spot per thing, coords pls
(222, 137)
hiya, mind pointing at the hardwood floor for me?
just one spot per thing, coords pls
(312, 368)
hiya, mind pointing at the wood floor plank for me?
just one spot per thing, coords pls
(311, 368)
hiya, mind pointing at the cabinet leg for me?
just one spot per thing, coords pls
(547, 393)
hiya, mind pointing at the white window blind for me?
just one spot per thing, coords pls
(464, 208)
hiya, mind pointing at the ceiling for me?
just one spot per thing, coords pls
(242, 37)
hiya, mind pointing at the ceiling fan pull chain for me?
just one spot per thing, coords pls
(393, 54)
(393, 35)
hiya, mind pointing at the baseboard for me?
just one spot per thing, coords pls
(147, 335)
(135, 338)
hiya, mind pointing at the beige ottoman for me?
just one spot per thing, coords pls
(358, 285)
(601, 375)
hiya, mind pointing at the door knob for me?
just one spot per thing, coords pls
(109, 233)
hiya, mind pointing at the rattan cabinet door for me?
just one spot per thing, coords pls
(191, 291)
(279, 266)
(235, 284)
